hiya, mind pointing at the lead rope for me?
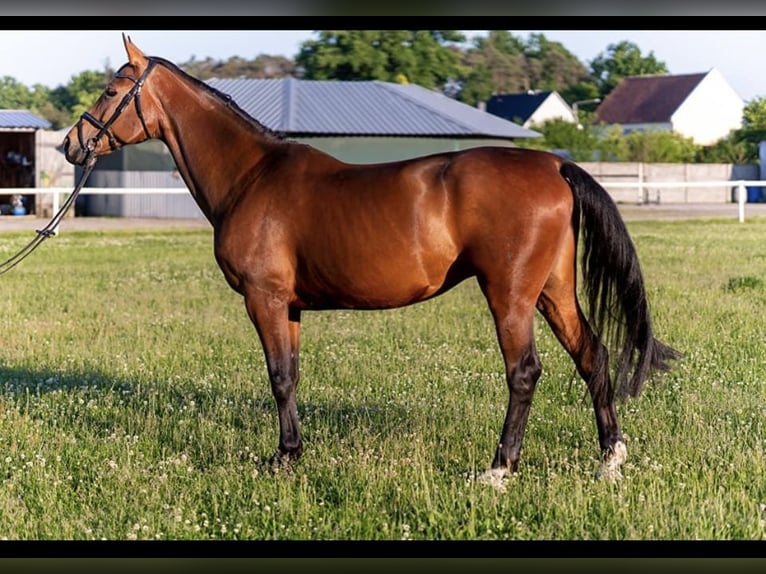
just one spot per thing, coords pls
(50, 229)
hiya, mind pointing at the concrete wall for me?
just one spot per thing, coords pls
(629, 172)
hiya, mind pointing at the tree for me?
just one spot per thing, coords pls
(732, 149)
(502, 63)
(263, 66)
(494, 65)
(561, 135)
(657, 146)
(620, 61)
(754, 114)
(14, 95)
(423, 57)
(550, 66)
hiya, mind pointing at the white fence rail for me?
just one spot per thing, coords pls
(640, 187)
(741, 186)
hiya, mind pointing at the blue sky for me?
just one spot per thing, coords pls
(33, 57)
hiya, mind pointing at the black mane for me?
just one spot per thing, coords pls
(225, 99)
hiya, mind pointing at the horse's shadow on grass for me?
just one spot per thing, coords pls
(130, 400)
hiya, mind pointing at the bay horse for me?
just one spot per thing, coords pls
(296, 230)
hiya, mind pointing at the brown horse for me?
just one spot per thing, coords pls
(295, 229)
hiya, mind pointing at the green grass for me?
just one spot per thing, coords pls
(134, 404)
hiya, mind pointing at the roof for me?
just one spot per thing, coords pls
(21, 119)
(516, 106)
(362, 108)
(647, 99)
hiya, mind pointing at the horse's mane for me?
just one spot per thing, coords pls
(225, 99)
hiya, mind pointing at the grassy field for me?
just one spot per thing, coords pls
(134, 404)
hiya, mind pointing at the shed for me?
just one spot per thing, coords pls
(355, 121)
(19, 150)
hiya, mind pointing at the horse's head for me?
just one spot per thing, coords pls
(122, 115)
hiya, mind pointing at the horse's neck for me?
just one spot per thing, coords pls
(212, 147)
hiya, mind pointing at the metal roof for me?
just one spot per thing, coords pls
(20, 119)
(362, 108)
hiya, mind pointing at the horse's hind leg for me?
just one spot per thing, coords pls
(559, 305)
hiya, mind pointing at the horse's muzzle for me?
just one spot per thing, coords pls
(74, 154)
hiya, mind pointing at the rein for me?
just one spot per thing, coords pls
(89, 147)
(50, 229)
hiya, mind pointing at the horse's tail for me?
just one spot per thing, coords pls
(618, 310)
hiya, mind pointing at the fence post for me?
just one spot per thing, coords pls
(55, 203)
(741, 195)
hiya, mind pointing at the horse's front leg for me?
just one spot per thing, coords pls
(278, 327)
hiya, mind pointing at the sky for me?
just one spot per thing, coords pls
(52, 57)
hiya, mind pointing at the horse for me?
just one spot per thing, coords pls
(295, 229)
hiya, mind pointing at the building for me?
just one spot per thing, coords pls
(19, 151)
(531, 108)
(703, 107)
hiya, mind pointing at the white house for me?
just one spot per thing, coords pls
(703, 107)
(531, 108)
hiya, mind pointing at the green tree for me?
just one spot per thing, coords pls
(14, 95)
(561, 135)
(732, 149)
(501, 63)
(754, 114)
(620, 61)
(657, 146)
(263, 66)
(611, 144)
(494, 65)
(424, 57)
(550, 66)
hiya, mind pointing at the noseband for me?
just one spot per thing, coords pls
(104, 128)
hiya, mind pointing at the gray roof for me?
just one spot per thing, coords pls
(21, 119)
(312, 107)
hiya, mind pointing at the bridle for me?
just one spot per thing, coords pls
(90, 160)
(104, 127)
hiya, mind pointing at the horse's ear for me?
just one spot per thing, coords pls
(134, 54)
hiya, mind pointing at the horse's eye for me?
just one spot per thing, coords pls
(111, 92)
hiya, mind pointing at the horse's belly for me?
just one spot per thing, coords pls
(372, 287)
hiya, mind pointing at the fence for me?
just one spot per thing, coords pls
(641, 187)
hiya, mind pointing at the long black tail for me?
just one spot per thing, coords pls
(618, 310)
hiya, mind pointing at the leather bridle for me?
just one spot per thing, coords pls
(104, 127)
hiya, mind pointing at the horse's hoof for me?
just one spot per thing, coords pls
(610, 468)
(494, 477)
(281, 463)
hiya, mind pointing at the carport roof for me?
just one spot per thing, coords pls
(21, 119)
(362, 108)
